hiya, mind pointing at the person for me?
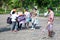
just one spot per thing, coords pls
(35, 10)
(19, 13)
(50, 21)
(21, 20)
(14, 23)
(28, 17)
(35, 21)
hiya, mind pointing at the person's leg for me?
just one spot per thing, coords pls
(33, 26)
(16, 26)
(27, 24)
(20, 25)
(50, 31)
(13, 26)
(48, 28)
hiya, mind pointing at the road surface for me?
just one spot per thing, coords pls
(29, 34)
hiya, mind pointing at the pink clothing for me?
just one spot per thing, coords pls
(50, 21)
(51, 16)
(50, 27)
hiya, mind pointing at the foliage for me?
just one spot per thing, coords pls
(31, 3)
(42, 4)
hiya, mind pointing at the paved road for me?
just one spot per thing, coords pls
(28, 34)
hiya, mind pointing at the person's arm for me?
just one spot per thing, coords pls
(30, 14)
(11, 13)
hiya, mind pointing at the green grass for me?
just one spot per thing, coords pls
(2, 11)
(57, 14)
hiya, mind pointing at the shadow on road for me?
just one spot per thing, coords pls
(23, 28)
(4, 29)
(37, 27)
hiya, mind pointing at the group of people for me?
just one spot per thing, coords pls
(20, 18)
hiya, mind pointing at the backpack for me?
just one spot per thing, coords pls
(9, 20)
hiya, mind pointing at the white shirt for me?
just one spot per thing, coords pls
(27, 14)
(14, 17)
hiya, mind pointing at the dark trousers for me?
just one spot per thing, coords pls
(19, 26)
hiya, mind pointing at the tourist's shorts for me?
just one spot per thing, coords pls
(28, 19)
(50, 27)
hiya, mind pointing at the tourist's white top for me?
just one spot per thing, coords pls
(27, 14)
(14, 17)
